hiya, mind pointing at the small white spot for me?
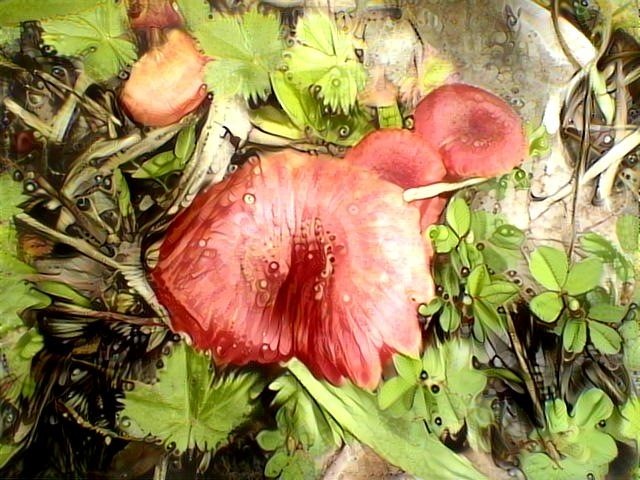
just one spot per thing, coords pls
(346, 298)
(249, 198)
(202, 243)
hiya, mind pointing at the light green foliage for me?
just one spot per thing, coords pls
(440, 388)
(308, 116)
(194, 12)
(579, 443)
(487, 295)
(570, 299)
(17, 342)
(13, 12)
(629, 426)
(98, 37)
(403, 441)
(550, 267)
(16, 294)
(323, 59)
(539, 140)
(473, 241)
(165, 163)
(245, 49)
(191, 406)
(600, 247)
(305, 432)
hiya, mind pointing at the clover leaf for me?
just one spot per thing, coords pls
(440, 388)
(580, 448)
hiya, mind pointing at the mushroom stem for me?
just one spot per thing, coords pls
(435, 189)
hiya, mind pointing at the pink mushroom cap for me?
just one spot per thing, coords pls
(296, 255)
(406, 159)
(477, 133)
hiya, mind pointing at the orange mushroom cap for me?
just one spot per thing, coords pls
(298, 255)
(477, 133)
(166, 83)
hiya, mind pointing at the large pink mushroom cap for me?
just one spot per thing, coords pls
(477, 133)
(296, 255)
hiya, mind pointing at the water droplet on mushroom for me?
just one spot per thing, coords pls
(274, 266)
(249, 198)
(202, 243)
(263, 283)
(346, 298)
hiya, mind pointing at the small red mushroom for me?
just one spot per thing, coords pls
(477, 133)
(404, 158)
(167, 82)
(298, 256)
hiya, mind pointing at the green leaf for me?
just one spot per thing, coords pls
(499, 292)
(630, 413)
(97, 36)
(14, 12)
(487, 315)
(628, 230)
(407, 367)
(458, 216)
(61, 290)
(604, 338)
(123, 193)
(324, 59)
(185, 143)
(443, 238)
(401, 441)
(450, 318)
(546, 306)
(308, 115)
(426, 310)
(300, 417)
(602, 248)
(276, 122)
(393, 390)
(549, 267)
(574, 336)
(190, 405)
(539, 142)
(389, 116)
(507, 237)
(607, 313)
(246, 49)
(592, 407)
(194, 12)
(160, 165)
(18, 347)
(541, 466)
(270, 440)
(478, 280)
(16, 294)
(584, 276)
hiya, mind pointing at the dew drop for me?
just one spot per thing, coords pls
(274, 266)
(346, 298)
(249, 198)
(263, 284)
(202, 243)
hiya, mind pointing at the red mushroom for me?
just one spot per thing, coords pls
(296, 255)
(477, 133)
(404, 158)
(167, 82)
